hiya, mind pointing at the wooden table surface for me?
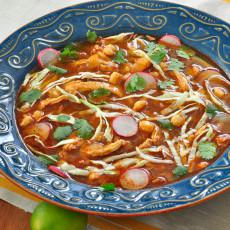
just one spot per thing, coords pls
(210, 215)
(12, 218)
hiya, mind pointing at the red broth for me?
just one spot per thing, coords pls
(126, 102)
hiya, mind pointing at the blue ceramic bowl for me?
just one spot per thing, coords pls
(18, 54)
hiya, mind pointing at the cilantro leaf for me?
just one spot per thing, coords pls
(211, 110)
(150, 47)
(187, 50)
(63, 118)
(48, 160)
(158, 56)
(180, 171)
(164, 84)
(30, 96)
(56, 69)
(108, 187)
(69, 52)
(182, 54)
(165, 123)
(61, 133)
(136, 83)
(91, 36)
(84, 128)
(120, 57)
(99, 93)
(175, 65)
(207, 150)
(156, 52)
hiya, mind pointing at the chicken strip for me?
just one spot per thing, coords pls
(73, 146)
(80, 86)
(51, 101)
(27, 119)
(98, 149)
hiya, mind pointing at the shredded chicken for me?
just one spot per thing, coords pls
(126, 162)
(117, 38)
(140, 65)
(99, 150)
(157, 135)
(79, 86)
(182, 81)
(73, 146)
(27, 119)
(223, 140)
(146, 144)
(51, 101)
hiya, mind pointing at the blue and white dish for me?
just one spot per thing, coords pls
(18, 53)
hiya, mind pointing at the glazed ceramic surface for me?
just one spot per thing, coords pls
(18, 54)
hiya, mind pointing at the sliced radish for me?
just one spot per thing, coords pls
(41, 129)
(135, 179)
(170, 40)
(47, 56)
(125, 126)
(149, 79)
(57, 171)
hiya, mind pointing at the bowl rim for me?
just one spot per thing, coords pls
(156, 212)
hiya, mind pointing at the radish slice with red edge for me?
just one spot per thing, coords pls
(47, 56)
(125, 126)
(170, 40)
(149, 79)
(41, 129)
(136, 178)
(57, 171)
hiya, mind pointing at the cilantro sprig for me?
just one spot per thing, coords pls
(165, 124)
(63, 118)
(30, 96)
(175, 64)
(187, 50)
(69, 52)
(84, 128)
(150, 47)
(91, 36)
(180, 171)
(136, 83)
(207, 150)
(62, 132)
(108, 187)
(211, 110)
(164, 84)
(99, 93)
(120, 57)
(156, 52)
(158, 55)
(182, 54)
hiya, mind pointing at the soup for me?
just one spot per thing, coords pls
(129, 111)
